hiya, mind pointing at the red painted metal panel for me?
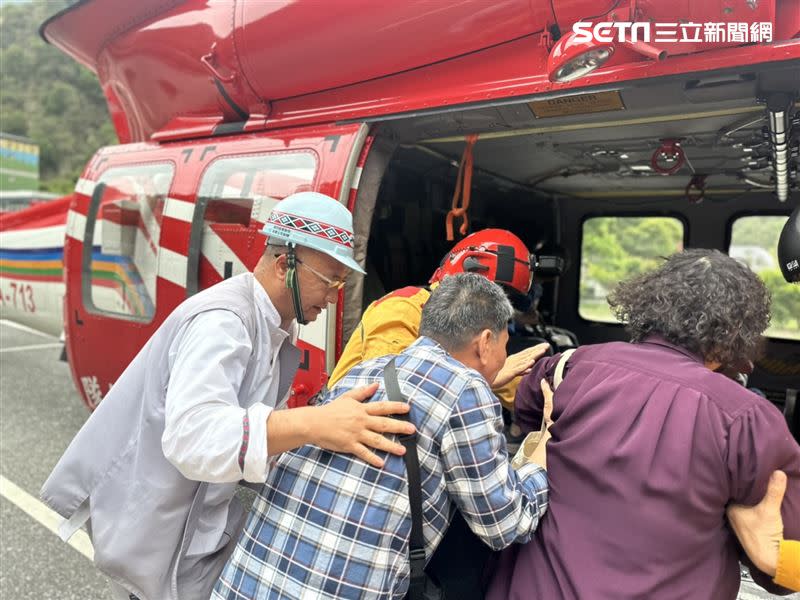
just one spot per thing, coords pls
(46, 214)
(509, 70)
(178, 238)
(101, 345)
(85, 27)
(180, 70)
(289, 49)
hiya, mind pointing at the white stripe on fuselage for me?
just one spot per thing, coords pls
(76, 225)
(172, 266)
(217, 252)
(85, 187)
(179, 210)
(76, 228)
(34, 238)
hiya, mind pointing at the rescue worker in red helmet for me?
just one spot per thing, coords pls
(391, 324)
(497, 254)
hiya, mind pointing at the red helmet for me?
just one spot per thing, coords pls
(496, 254)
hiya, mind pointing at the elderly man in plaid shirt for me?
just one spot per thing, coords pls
(328, 525)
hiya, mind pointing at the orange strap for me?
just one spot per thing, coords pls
(465, 177)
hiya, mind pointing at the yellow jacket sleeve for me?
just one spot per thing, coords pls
(388, 326)
(506, 393)
(788, 572)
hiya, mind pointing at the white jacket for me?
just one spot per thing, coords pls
(157, 530)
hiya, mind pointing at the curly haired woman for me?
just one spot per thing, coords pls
(651, 443)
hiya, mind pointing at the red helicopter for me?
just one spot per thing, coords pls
(540, 115)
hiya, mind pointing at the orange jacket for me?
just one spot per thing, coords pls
(788, 572)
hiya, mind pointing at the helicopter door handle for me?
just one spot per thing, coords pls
(209, 59)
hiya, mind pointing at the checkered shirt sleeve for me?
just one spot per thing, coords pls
(328, 525)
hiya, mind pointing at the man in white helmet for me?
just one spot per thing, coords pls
(152, 473)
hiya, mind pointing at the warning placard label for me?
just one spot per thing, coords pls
(577, 104)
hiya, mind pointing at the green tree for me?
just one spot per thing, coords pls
(785, 304)
(763, 231)
(617, 248)
(47, 96)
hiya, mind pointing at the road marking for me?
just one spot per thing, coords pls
(27, 329)
(43, 515)
(31, 347)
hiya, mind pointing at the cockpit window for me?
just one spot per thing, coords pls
(617, 248)
(754, 241)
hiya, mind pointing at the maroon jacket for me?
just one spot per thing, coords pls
(648, 448)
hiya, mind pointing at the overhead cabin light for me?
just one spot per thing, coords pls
(574, 56)
(571, 58)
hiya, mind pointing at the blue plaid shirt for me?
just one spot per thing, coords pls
(329, 525)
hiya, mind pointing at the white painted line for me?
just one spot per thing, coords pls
(26, 329)
(43, 515)
(31, 347)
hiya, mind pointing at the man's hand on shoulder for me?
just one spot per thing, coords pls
(349, 424)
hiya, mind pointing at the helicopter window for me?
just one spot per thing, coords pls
(122, 240)
(616, 248)
(236, 194)
(754, 241)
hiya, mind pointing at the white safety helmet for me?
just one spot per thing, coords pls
(315, 221)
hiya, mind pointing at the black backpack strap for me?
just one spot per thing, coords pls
(416, 588)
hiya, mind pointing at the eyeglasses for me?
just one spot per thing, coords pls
(331, 283)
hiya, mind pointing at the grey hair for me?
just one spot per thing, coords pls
(702, 300)
(276, 248)
(461, 307)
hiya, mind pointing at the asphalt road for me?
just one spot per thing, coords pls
(40, 412)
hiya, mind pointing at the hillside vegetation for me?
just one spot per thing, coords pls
(48, 97)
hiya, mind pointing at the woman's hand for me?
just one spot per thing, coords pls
(534, 447)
